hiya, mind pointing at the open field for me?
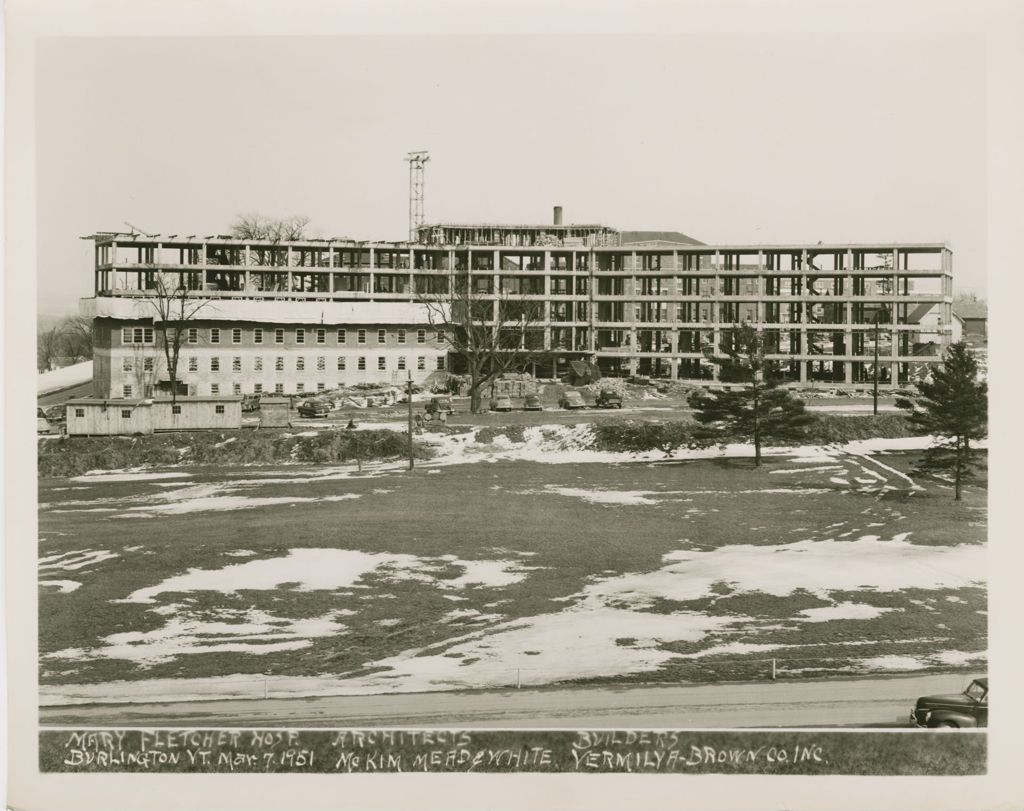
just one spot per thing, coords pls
(481, 568)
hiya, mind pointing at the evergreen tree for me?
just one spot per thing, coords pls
(760, 410)
(952, 406)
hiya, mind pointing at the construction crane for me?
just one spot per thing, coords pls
(136, 228)
(416, 188)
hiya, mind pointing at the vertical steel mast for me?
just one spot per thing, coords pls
(416, 189)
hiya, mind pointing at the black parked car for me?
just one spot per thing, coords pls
(314, 408)
(439, 405)
(954, 710)
(608, 399)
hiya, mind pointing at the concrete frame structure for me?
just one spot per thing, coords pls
(636, 309)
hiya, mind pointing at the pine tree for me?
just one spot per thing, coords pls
(758, 411)
(952, 406)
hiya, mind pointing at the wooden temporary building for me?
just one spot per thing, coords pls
(197, 413)
(89, 416)
(275, 412)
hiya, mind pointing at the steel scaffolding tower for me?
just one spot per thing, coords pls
(416, 187)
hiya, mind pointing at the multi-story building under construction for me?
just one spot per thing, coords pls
(310, 315)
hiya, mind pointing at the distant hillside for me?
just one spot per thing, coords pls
(45, 320)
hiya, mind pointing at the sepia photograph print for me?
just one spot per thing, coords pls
(538, 403)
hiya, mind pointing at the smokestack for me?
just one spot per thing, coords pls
(558, 215)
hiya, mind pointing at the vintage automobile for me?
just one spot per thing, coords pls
(954, 710)
(501, 403)
(571, 400)
(314, 408)
(56, 414)
(608, 399)
(43, 425)
(532, 403)
(250, 402)
(439, 405)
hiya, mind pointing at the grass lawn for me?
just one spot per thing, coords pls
(462, 575)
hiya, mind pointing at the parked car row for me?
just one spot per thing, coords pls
(570, 400)
(607, 398)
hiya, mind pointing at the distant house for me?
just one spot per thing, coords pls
(88, 416)
(974, 315)
(656, 238)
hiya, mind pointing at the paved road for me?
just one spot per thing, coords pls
(852, 702)
(56, 397)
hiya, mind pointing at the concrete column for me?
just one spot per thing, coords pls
(761, 292)
(495, 281)
(113, 266)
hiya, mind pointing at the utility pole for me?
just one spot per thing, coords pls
(408, 397)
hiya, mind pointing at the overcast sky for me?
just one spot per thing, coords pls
(728, 138)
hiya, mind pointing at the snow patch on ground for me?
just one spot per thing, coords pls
(575, 643)
(571, 444)
(958, 657)
(333, 569)
(843, 611)
(63, 378)
(892, 662)
(823, 469)
(493, 574)
(818, 567)
(252, 632)
(221, 503)
(127, 475)
(73, 561)
(628, 497)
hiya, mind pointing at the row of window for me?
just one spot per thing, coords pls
(126, 413)
(128, 364)
(144, 335)
(128, 391)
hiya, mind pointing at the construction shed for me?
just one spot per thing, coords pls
(274, 412)
(90, 417)
(94, 417)
(197, 413)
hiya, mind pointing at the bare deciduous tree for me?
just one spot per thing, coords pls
(145, 367)
(175, 310)
(49, 347)
(77, 337)
(491, 333)
(269, 229)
